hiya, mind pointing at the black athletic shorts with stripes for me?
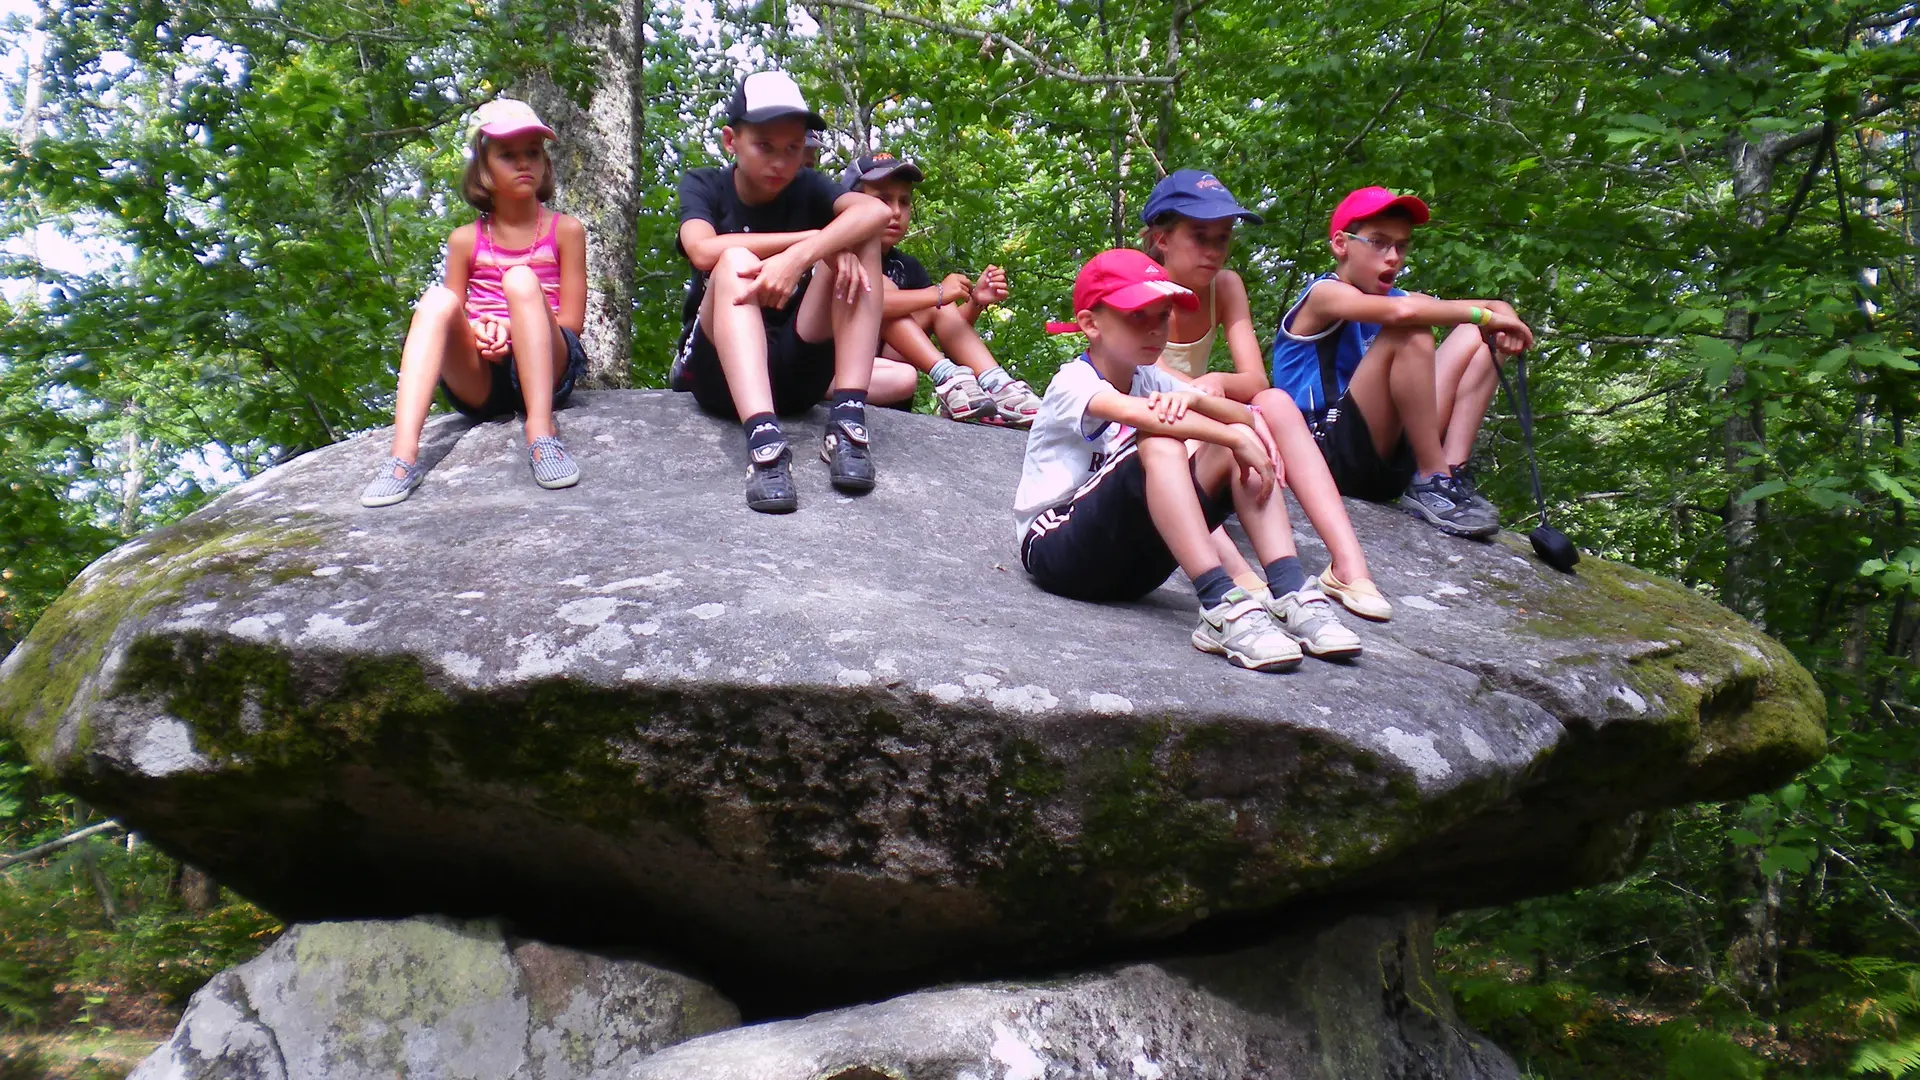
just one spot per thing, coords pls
(1102, 545)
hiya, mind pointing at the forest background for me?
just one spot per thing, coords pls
(217, 213)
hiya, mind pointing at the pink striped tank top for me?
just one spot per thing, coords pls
(486, 297)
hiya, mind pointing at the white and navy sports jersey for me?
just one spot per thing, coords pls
(1066, 446)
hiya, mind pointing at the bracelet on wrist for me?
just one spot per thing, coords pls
(1476, 316)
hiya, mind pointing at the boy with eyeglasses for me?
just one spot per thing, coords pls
(1395, 415)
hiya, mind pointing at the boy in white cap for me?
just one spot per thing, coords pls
(1111, 500)
(784, 303)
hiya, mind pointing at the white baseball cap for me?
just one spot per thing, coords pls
(770, 95)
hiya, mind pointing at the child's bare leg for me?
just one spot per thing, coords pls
(1175, 505)
(906, 337)
(893, 382)
(738, 332)
(962, 342)
(1264, 519)
(1464, 384)
(1213, 382)
(439, 345)
(1312, 484)
(1234, 563)
(853, 324)
(1394, 389)
(539, 351)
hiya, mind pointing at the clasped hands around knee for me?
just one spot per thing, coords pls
(771, 282)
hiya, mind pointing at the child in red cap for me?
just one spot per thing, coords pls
(1395, 416)
(1110, 500)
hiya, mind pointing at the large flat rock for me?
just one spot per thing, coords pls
(853, 749)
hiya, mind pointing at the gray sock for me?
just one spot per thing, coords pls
(944, 370)
(1212, 587)
(1284, 575)
(994, 378)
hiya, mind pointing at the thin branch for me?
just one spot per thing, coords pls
(1608, 410)
(1893, 906)
(1425, 47)
(52, 846)
(999, 40)
(293, 30)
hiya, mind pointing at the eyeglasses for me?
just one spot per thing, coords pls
(1384, 247)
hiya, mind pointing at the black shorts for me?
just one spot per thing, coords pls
(503, 393)
(799, 372)
(1358, 469)
(1103, 545)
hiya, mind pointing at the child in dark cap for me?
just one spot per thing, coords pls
(968, 384)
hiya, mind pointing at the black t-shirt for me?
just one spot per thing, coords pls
(904, 270)
(709, 195)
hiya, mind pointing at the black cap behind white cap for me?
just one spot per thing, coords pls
(877, 166)
(770, 95)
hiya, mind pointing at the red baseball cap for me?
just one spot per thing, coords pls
(1124, 279)
(1362, 203)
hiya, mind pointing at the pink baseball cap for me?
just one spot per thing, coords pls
(1362, 203)
(503, 118)
(1125, 279)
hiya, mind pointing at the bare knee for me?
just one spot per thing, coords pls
(520, 283)
(1161, 451)
(1278, 407)
(1409, 340)
(948, 320)
(728, 281)
(438, 303)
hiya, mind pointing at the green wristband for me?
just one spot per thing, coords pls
(1476, 316)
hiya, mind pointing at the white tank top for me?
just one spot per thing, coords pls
(1190, 358)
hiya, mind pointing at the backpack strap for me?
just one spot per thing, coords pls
(1320, 422)
(1329, 349)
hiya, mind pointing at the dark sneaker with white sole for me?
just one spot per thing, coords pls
(1450, 506)
(770, 487)
(844, 449)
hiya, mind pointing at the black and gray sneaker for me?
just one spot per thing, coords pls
(845, 451)
(1450, 506)
(770, 479)
(1465, 475)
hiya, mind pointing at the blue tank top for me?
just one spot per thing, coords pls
(1296, 359)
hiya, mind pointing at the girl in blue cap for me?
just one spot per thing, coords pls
(1190, 217)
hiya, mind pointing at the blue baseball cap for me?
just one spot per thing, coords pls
(1195, 194)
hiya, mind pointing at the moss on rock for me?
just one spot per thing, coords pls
(43, 682)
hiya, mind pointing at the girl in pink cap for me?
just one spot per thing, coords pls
(502, 334)
(1190, 219)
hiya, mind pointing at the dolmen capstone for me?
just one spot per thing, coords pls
(851, 753)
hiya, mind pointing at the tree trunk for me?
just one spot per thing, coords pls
(1752, 165)
(133, 475)
(598, 166)
(199, 893)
